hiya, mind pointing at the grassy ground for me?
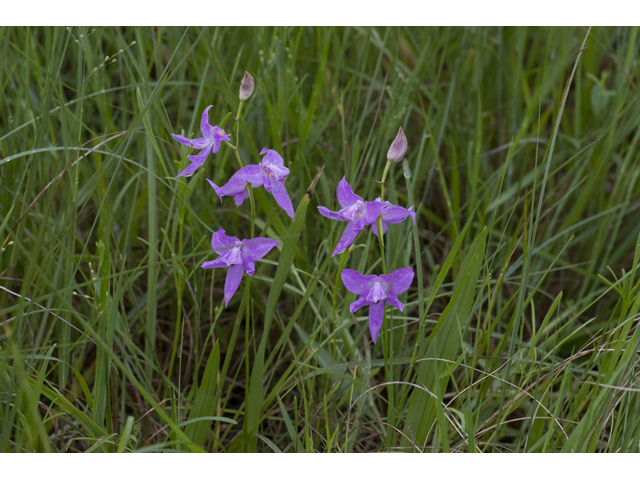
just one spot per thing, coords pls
(519, 332)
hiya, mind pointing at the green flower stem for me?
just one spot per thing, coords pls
(387, 327)
(238, 122)
(379, 222)
(235, 149)
(384, 177)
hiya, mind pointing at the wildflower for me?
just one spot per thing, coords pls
(398, 147)
(210, 141)
(376, 291)
(246, 86)
(238, 256)
(270, 173)
(359, 214)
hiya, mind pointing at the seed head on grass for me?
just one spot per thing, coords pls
(238, 256)
(210, 141)
(376, 291)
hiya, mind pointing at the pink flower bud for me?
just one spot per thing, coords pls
(246, 86)
(398, 147)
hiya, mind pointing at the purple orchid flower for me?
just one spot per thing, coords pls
(238, 256)
(359, 214)
(376, 291)
(210, 141)
(270, 173)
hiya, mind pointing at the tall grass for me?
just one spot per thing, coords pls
(519, 332)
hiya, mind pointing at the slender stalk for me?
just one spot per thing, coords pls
(387, 325)
(238, 122)
(384, 177)
(379, 221)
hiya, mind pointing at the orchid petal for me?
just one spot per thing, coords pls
(279, 192)
(400, 280)
(345, 194)
(357, 283)
(239, 198)
(249, 266)
(236, 186)
(393, 300)
(216, 188)
(257, 248)
(219, 135)
(372, 211)
(205, 128)
(325, 212)
(347, 238)
(221, 243)
(376, 314)
(200, 143)
(252, 174)
(217, 263)
(182, 140)
(361, 302)
(396, 214)
(187, 172)
(234, 277)
(273, 158)
(377, 293)
(201, 156)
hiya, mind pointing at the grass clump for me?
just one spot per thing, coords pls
(519, 332)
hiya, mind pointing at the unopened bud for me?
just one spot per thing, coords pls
(398, 147)
(246, 86)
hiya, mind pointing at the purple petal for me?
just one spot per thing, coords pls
(252, 174)
(274, 163)
(182, 140)
(378, 292)
(200, 143)
(345, 194)
(249, 266)
(257, 248)
(234, 277)
(187, 172)
(205, 128)
(217, 263)
(376, 313)
(400, 280)
(201, 156)
(220, 242)
(239, 198)
(361, 302)
(279, 192)
(372, 211)
(219, 135)
(236, 186)
(355, 282)
(347, 238)
(393, 300)
(325, 212)
(272, 158)
(216, 188)
(396, 214)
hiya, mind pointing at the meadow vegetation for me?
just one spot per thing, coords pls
(519, 330)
